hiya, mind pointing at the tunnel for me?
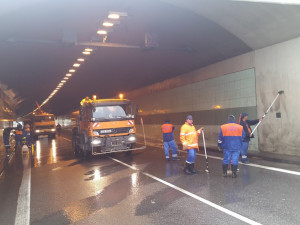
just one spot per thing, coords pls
(67, 62)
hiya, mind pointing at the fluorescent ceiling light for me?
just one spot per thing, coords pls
(114, 16)
(68, 74)
(102, 32)
(72, 70)
(287, 2)
(80, 60)
(88, 50)
(66, 78)
(107, 24)
(86, 53)
(76, 64)
(63, 81)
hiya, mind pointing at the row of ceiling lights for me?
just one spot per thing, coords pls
(80, 60)
(113, 18)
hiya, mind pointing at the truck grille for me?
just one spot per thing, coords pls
(114, 130)
(44, 127)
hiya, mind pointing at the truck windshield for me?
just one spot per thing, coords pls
(110, 113)
(43, 118)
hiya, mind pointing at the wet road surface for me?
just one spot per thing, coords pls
(142, 188)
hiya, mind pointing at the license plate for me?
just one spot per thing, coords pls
(114, 143)
(105, 131)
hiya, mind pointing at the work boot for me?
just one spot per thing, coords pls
(234, 169)
(186, 169)
(225, 168)
(192, 170)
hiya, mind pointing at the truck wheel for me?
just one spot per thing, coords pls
(73, 143)
(76, 151)
(131, 146)
(85, 147)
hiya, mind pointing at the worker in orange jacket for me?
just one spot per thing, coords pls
(169, 142)
(189, 140)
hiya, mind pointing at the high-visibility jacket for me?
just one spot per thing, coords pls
(167, 130)
(189, 136)
(19, 132)
(231, 136)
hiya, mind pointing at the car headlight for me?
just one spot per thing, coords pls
(37, 131)
(132, 138)
(96, 141)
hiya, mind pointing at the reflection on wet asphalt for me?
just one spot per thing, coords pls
(66, 190)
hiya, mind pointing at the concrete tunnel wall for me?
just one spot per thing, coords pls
(278, 68)
(246, 83)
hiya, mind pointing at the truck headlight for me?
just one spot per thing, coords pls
(131, 138)
(130, 130)
(96, 141)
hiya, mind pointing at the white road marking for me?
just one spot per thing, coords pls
(57, 168)
(23, 206)
(203, 200)
(256, 165)
(66, 139)
(249, 164)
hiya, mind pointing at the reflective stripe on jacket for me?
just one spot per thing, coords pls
(231, 136)
(167, 130)
(189, 136)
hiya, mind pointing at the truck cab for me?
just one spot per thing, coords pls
(104, 126)
(43, 124)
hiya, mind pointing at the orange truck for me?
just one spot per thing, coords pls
(43, 124)
(104, 126)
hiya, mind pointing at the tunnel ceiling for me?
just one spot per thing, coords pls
(36, 53)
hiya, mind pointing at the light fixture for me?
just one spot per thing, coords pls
(63, 81)
(107, 24)
(76, 64)
(68, 74)
(66, 78)
(81, 59)
(86, 53)
(72, 70)
(88, 50)
(114, 16)
(102, 32)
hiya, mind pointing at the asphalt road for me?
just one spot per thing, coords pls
(50, 186)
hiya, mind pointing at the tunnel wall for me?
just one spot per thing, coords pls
(209, 94)
(271, 69)
(278, 68)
